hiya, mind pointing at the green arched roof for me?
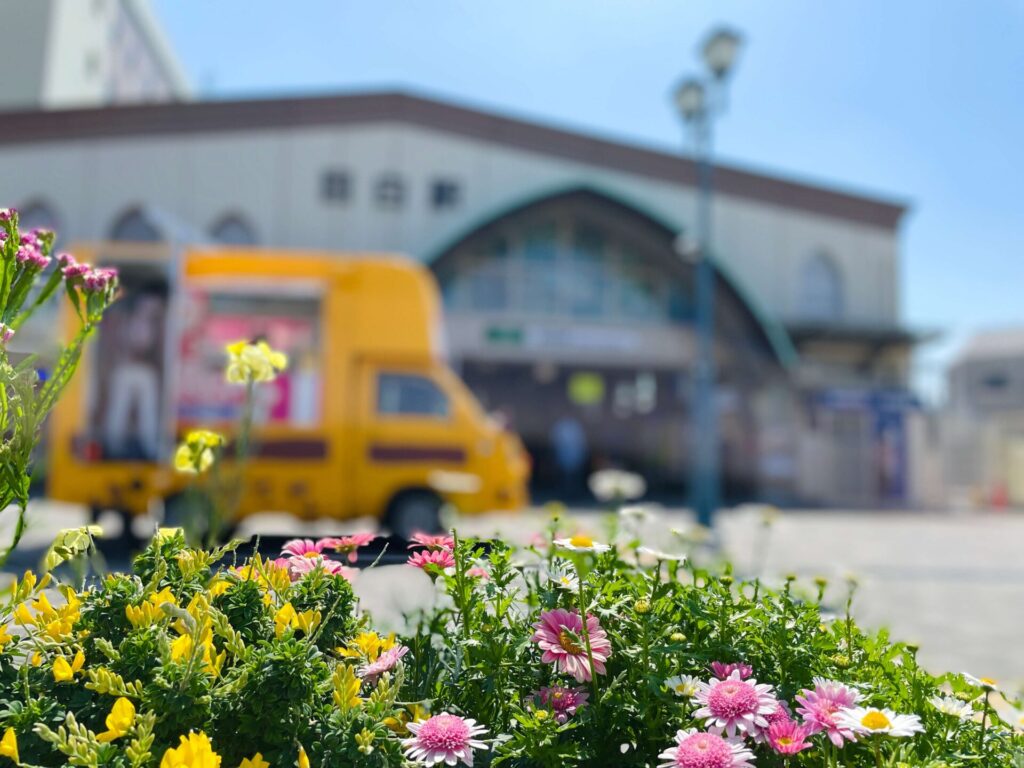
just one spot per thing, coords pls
(776, 335)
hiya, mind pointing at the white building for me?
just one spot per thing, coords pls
(64, 53)
(556, 254)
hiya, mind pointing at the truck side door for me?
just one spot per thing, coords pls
(409, 429)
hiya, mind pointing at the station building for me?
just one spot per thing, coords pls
(558, 253)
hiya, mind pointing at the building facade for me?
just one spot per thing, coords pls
(73, 53)
(558, 256)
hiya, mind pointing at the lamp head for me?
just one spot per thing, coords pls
(690, 99)
(721, 50)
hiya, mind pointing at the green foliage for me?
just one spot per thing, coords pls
(29, 277)
(272, 657)
(473, 655)
(194, 647)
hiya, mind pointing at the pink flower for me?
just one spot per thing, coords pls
(443, 738)
(442, 558)
(442, 541)
(6, 333)
(348, 544)
(7, 213)
(32, 256)
(722, 670)
(562, 700)
(560, 634)
(75, 270)
(303, 548)
(706, 749)
(476, 572)
(788, 738)
(734, 704)
(300, 566)
(384, 663)
(820, 707)
(780, 715)
(99, 280)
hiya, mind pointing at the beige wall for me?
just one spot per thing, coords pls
(272, 177)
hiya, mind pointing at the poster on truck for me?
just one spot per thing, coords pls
(212, 319)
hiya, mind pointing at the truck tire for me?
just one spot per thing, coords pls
(414, 512)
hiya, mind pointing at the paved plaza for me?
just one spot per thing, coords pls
(952, 583)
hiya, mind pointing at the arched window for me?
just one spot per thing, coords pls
(134, 226)
(37, 214)
(820, 291)
(234, 229)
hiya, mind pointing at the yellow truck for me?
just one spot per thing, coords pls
(368, 419)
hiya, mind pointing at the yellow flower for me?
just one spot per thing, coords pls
(119, 721)
(22, 616)
(307, 621)
(253, 362)
(42, 606)
(368, 645)
(37, 659)
(5, 636)
(142, 615)
(149, 612)
(9, 746)
(204, 438)
(283, 618)
(303, 761)
(256, 761)
(64, 672)
(218, 587)
(346, 688)
(192, 461)
(194, 751)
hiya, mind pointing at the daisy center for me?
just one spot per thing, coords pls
(312, 554)
(703, 750)
(569, 642)
(784, 741)
(444, 732)
(581, 540)
(732, 699)
(876, 721)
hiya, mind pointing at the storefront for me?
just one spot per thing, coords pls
(571, 316)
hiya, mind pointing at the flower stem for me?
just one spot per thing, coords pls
(586, 633)
(878, 751)
(984, 721)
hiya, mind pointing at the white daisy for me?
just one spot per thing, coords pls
(1014, 718)
(985, 683)
(563, 578)
(658, 554)
(685, 686)
(637, 513)
(581, 543)
(952, 706)
(872, 721)
(616, 485)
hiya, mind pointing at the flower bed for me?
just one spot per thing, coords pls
(193, 662)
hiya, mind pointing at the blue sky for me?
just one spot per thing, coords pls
(918, 100)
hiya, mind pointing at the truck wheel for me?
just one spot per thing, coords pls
(414, 512)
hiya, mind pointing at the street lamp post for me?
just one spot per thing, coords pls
(699, 100)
